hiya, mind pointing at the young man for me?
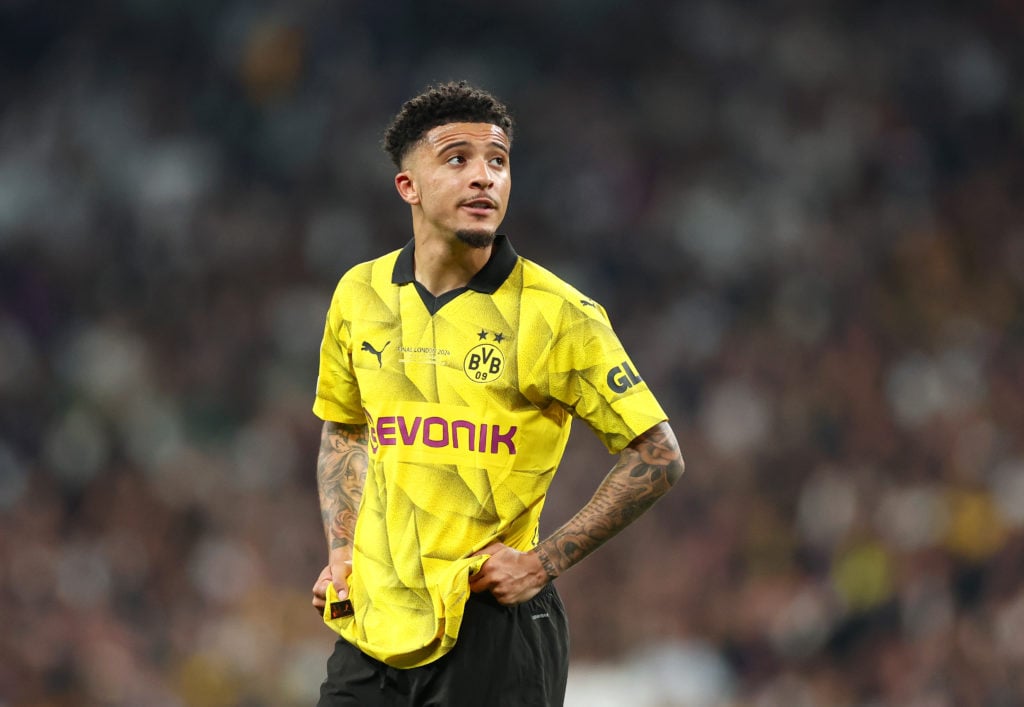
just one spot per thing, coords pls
(449, 373)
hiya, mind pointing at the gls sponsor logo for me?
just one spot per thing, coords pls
(622, 378)
(437, 432)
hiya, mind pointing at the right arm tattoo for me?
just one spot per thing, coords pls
(341, 473)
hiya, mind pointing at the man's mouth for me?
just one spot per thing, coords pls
(479, 205)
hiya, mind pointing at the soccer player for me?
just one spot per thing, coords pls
(449, 373)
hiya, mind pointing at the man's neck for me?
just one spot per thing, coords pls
(442, 266)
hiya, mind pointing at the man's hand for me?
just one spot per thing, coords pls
(512, 577)
(327, 575)
(320, 589)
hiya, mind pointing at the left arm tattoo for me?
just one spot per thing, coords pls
(645, 471)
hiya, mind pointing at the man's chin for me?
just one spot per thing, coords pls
(476, 239)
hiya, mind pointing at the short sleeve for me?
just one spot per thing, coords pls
(593, 377)
(337, 390)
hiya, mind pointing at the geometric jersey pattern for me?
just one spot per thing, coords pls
(468, 410)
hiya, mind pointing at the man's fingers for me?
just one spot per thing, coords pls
(340, 579)
(320, 589)
(491, 549)
(319, 602)
(480, 582)
(320, 585)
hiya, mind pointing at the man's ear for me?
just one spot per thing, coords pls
(407, 188)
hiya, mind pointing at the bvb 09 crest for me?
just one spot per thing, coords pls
(484, 363)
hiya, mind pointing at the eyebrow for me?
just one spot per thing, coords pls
(463, 143)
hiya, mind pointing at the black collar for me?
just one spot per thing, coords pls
(490, 277)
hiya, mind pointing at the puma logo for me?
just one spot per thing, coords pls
(367, 346)
(588, 303)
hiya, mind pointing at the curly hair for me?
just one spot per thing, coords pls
(452, 102)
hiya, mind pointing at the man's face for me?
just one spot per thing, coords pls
(458, 175)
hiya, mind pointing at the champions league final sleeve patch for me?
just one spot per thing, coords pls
(341, 609)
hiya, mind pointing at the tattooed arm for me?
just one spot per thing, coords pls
(340, 474)
(646, 469)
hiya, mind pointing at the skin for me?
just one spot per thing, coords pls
(341, 474)
(646, 469)
(457, 181)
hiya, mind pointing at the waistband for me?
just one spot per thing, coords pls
(548, 590)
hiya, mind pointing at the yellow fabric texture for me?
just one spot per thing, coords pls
(468, 412)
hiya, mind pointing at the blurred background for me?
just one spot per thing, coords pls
(805, 218)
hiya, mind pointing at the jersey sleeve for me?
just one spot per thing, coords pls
(337, 390)
(593, 377)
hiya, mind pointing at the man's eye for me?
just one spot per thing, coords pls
(499, 161)
(456, 159)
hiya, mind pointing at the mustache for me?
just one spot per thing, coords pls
(479, 200)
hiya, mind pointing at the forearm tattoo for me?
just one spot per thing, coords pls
(341, 473)
(645, 471)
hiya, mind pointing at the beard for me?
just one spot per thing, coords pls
(475, 239)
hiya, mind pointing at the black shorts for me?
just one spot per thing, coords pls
(505, 656)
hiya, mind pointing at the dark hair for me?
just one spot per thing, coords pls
(452, 102)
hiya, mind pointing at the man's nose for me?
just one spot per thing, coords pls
(481, 175)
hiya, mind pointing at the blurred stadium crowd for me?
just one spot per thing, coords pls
(806, 220)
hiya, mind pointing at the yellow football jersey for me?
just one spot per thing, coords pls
(468, 398)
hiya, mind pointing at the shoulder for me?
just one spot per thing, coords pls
(372, 274)
(370, 269)
(364, 290)
(550, 292)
